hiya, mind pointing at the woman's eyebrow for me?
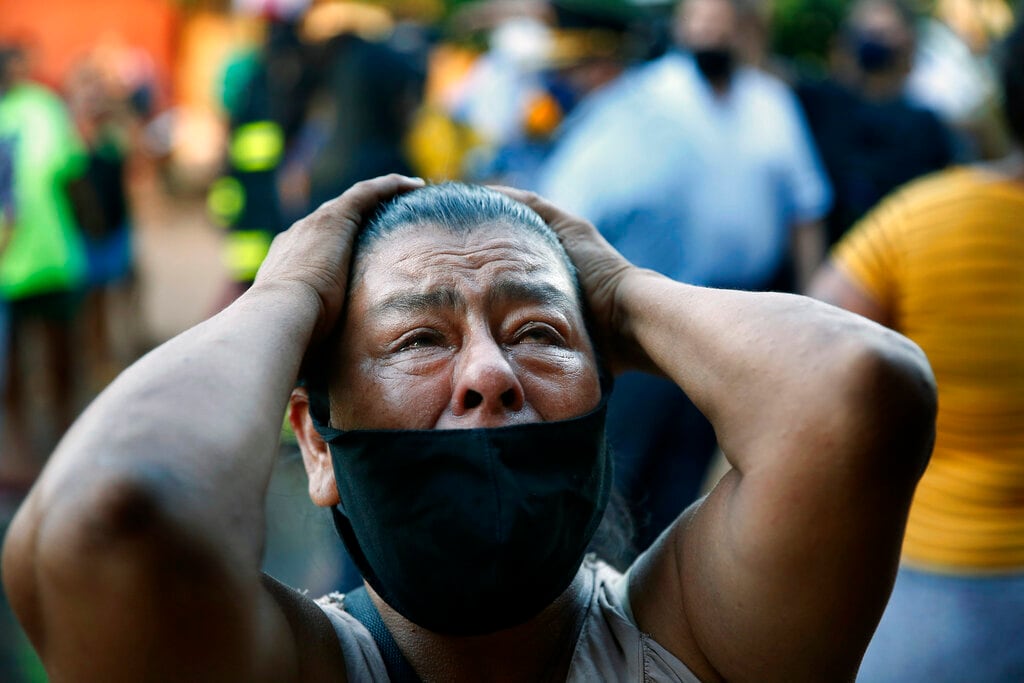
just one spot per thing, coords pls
(418, 302)
(503, 291)
(508, 290)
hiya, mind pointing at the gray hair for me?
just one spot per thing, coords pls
(458, 208)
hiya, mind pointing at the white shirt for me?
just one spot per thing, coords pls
(701, 187)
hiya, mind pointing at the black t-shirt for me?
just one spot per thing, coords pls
(870, 148)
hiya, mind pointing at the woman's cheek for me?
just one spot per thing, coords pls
(559, 386)
(410, 402)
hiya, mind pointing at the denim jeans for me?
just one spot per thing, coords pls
(942, 628)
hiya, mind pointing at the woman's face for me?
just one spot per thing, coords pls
(448, 331)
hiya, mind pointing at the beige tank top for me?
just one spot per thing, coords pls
(610, 646)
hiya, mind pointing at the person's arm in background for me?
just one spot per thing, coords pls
(136, 555)
(782, 572)
(835, 287)
(809, 191)
(808, 249)
(865, 268)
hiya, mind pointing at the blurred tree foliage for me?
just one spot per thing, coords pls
(802, 30)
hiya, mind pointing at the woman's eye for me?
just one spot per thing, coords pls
(539, 333)
(420, 340)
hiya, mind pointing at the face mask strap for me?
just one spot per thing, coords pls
(320, 410)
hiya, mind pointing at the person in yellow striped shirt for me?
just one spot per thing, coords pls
(942, 261)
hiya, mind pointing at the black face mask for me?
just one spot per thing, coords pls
(470, 531)
(874, 56)
(716, 63)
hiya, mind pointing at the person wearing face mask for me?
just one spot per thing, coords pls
(700, 167)
(872, 138)
(456, 344)
(724, 140)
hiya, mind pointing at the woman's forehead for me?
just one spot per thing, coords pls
(433, 249)
(436, 269)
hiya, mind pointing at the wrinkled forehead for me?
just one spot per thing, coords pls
(418, 245)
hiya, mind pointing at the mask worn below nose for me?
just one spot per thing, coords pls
(470, 531)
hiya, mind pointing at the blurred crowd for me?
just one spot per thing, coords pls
(698, 138)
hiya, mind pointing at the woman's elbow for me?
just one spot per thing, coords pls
(896, 403)
(55, 545)
(65, 531)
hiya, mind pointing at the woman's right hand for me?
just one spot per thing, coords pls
(602, 272)
(315, 252)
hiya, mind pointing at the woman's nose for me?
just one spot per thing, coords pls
(485, 382)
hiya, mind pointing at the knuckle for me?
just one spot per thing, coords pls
(278, 240)
(359, 188)
(329, 204)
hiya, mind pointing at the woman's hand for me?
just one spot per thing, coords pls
(602, 271)
(315, 252)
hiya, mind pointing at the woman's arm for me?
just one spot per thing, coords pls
(136, 556)
(782, 572)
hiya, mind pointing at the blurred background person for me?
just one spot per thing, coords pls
(701, 122)
(43, 267)
(872, 138)
(109, 96)
(559, 58)
(264, 95)
(942, 261)
(494, 96)
(702, 168)
(953, 74)
(369, 86)
(7, 216)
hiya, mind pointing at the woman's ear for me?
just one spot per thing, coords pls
(316, 455)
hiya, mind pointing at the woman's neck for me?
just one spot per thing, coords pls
(539, 650)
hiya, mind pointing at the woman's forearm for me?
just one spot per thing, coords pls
(770, 369)
(196, 420)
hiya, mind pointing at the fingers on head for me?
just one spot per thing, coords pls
(366, 194)
(360, 199)
(545, 209)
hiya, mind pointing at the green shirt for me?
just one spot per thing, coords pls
(46, 252)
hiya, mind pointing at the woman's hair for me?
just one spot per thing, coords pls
(458, 208)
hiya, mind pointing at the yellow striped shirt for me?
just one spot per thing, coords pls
(945, 256)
